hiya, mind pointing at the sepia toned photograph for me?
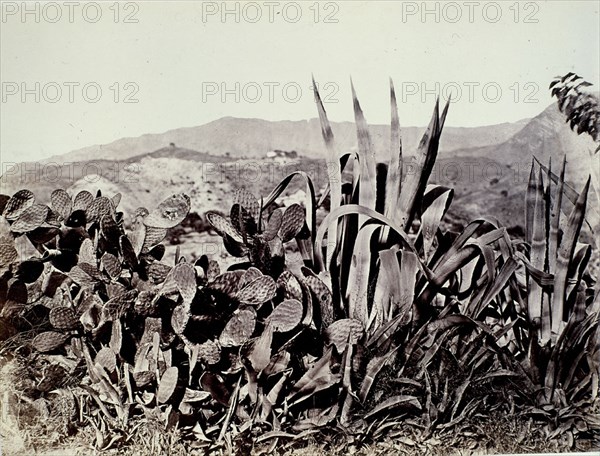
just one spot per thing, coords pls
(299, 228)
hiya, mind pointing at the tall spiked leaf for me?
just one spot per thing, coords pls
(565, 255)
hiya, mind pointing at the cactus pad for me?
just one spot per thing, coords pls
(49, 340)
(169, 213)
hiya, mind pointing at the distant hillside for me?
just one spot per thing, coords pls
(253, 138)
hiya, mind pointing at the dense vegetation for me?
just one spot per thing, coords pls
(388, 319)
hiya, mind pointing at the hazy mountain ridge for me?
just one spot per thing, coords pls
(255, 137)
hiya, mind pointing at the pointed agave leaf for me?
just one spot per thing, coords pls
(224, 226)
(394, 177)
(366, 158)
(395, 401)
(286, 316)
(565, 256)
(555, 218)
(116, 337)
(167, 385)
(82, 200)
(538, 252)
(431, 218)
(30, 218)
(358, 280)
(318, 378)
(257, 352)
(49, 340)
(63, 318)
(239, 328)
(342, 332)
(334, 171)
(17, 204)
(414, 185)
(258, 291)
(61, 202)
(292, 222)
(169, 213)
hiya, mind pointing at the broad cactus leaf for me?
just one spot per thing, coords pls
(145, 303)
(82, 200)
(224, 226)
(239, 328)
(258, 291)
(115, 200)
(49, 341)
(209, 352)
(111, 265)
(286, 316)
(30, 270)
(226, 283)
(248, 201)
(274, 224)
(292, 222)
(63, 318)
(87, 252)
(212, 270)
(110, 230)
(128, 252)
(107, 359)
(250, 274)
(290, 285)
(158, 272)
(323, 295)
(343, 332)
(30, 218)
(99, 208)
(180, 318)
(185, 279)
(116, 307)
(167, 385)
(8, 252)
(17, 204)
(3, 200)
(153, 237)
(234, 248)
(143, 378)
(243, 221)
(61, 202)
(169, 213)
(215, 385)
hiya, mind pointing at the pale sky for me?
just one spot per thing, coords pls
(186, 63)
